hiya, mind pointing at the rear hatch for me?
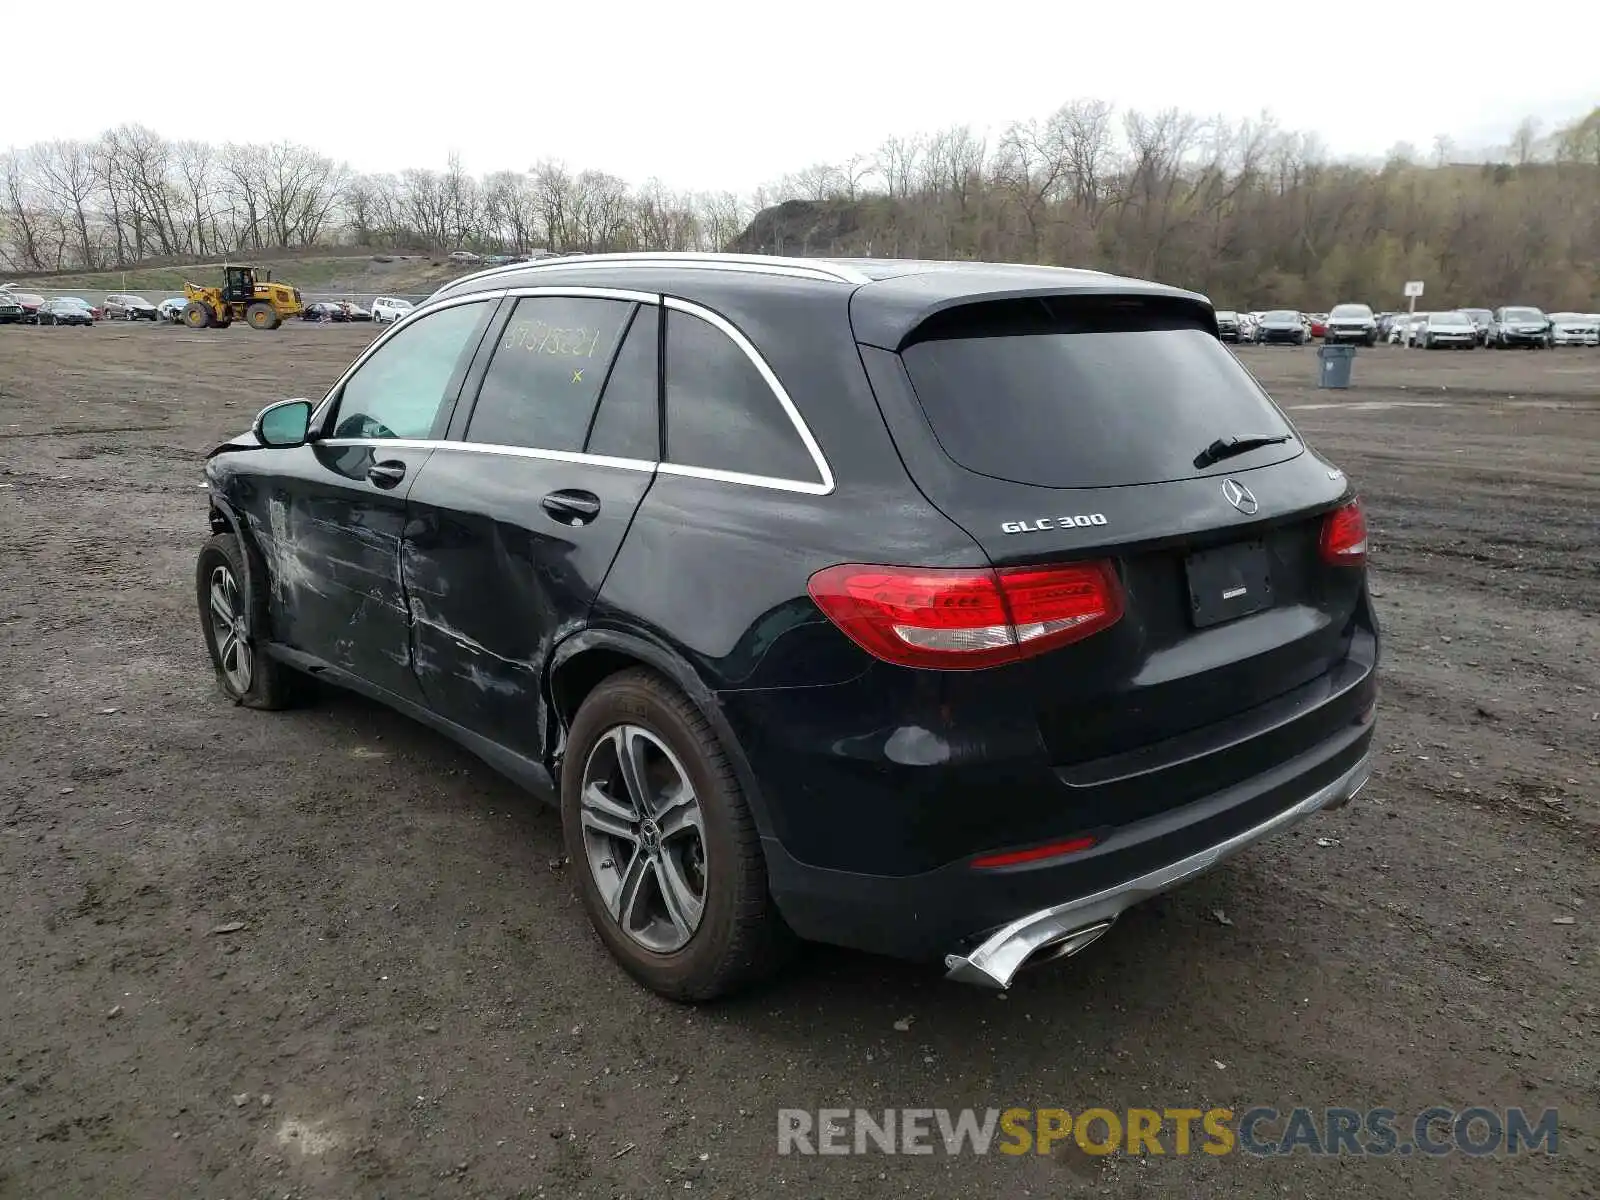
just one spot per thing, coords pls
(1087, 428)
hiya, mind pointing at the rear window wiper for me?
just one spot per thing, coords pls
(1228, 447)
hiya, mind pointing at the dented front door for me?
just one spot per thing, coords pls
(332, 521)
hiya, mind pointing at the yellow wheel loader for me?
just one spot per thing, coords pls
(245, 295)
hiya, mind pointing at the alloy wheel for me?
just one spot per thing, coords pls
(644, 837)
(229, 630)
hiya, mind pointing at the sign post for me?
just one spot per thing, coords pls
(1413, 290)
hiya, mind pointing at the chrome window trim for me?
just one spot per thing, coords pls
(585, 293)
(567, 456)
(760, 481)
(689, 308)
(732, 332)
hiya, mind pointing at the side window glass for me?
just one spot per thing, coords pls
(545, 376)
(721, 412)
(398, 392)
(626, 425)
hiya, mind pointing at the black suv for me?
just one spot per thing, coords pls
(942, 610)
(1519, 326)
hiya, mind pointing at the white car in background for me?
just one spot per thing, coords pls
(1574, 329)
(170, 310)
(1404, 331)
(1445, 331)
(388, 309)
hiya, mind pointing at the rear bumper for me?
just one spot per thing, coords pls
(958, 914)
(1064, 929)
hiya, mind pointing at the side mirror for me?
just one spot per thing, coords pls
(283, 424)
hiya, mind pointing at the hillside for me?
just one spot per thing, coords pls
(807, 227)
(330, 274)
(1269, 232)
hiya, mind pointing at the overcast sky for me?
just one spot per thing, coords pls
(711, 94)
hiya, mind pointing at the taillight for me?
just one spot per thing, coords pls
(958, 619)
(1034, 854)
(1344, 536)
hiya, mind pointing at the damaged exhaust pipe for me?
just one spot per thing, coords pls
(996, 962)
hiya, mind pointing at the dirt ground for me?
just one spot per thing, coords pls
(414, 1005)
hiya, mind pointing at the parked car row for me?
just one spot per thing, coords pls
(335, 310)
(25, 308)
(1468, 328)
(1498, 329)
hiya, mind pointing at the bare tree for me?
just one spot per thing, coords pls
(1524, 147)
(896, 163)
(65, 172)
(819, 181)
(553, 201)
(23, 242)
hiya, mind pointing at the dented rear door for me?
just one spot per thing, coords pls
(517, 517)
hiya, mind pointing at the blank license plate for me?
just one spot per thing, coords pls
(1228, 582)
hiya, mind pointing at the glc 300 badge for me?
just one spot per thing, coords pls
(1081, 520)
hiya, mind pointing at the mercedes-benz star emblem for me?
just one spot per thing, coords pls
(1241, 497)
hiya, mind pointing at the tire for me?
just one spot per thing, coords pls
(197, 315)
(738, 937)
(245, 675)
(262, 316)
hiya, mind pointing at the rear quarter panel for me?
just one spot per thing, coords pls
(718, 571)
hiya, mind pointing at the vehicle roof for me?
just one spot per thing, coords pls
(888, 298)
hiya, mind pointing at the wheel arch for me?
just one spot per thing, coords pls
(586, 658)
(224, 519)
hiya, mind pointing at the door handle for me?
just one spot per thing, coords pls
(386, 474)
(572, 507)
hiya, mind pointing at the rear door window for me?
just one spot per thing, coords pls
(1076, 394)
(549, 363)
(627, 424)
(722, 414)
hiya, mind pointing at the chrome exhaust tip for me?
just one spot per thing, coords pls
(996, 963)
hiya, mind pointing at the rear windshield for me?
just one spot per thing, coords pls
(1076, 394)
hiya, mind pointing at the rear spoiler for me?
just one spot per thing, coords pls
(888, 313)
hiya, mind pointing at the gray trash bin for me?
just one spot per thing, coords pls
(1333, 365)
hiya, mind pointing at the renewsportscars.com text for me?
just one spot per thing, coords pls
(1262, 1131)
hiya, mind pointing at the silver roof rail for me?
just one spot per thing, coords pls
(767, 264)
